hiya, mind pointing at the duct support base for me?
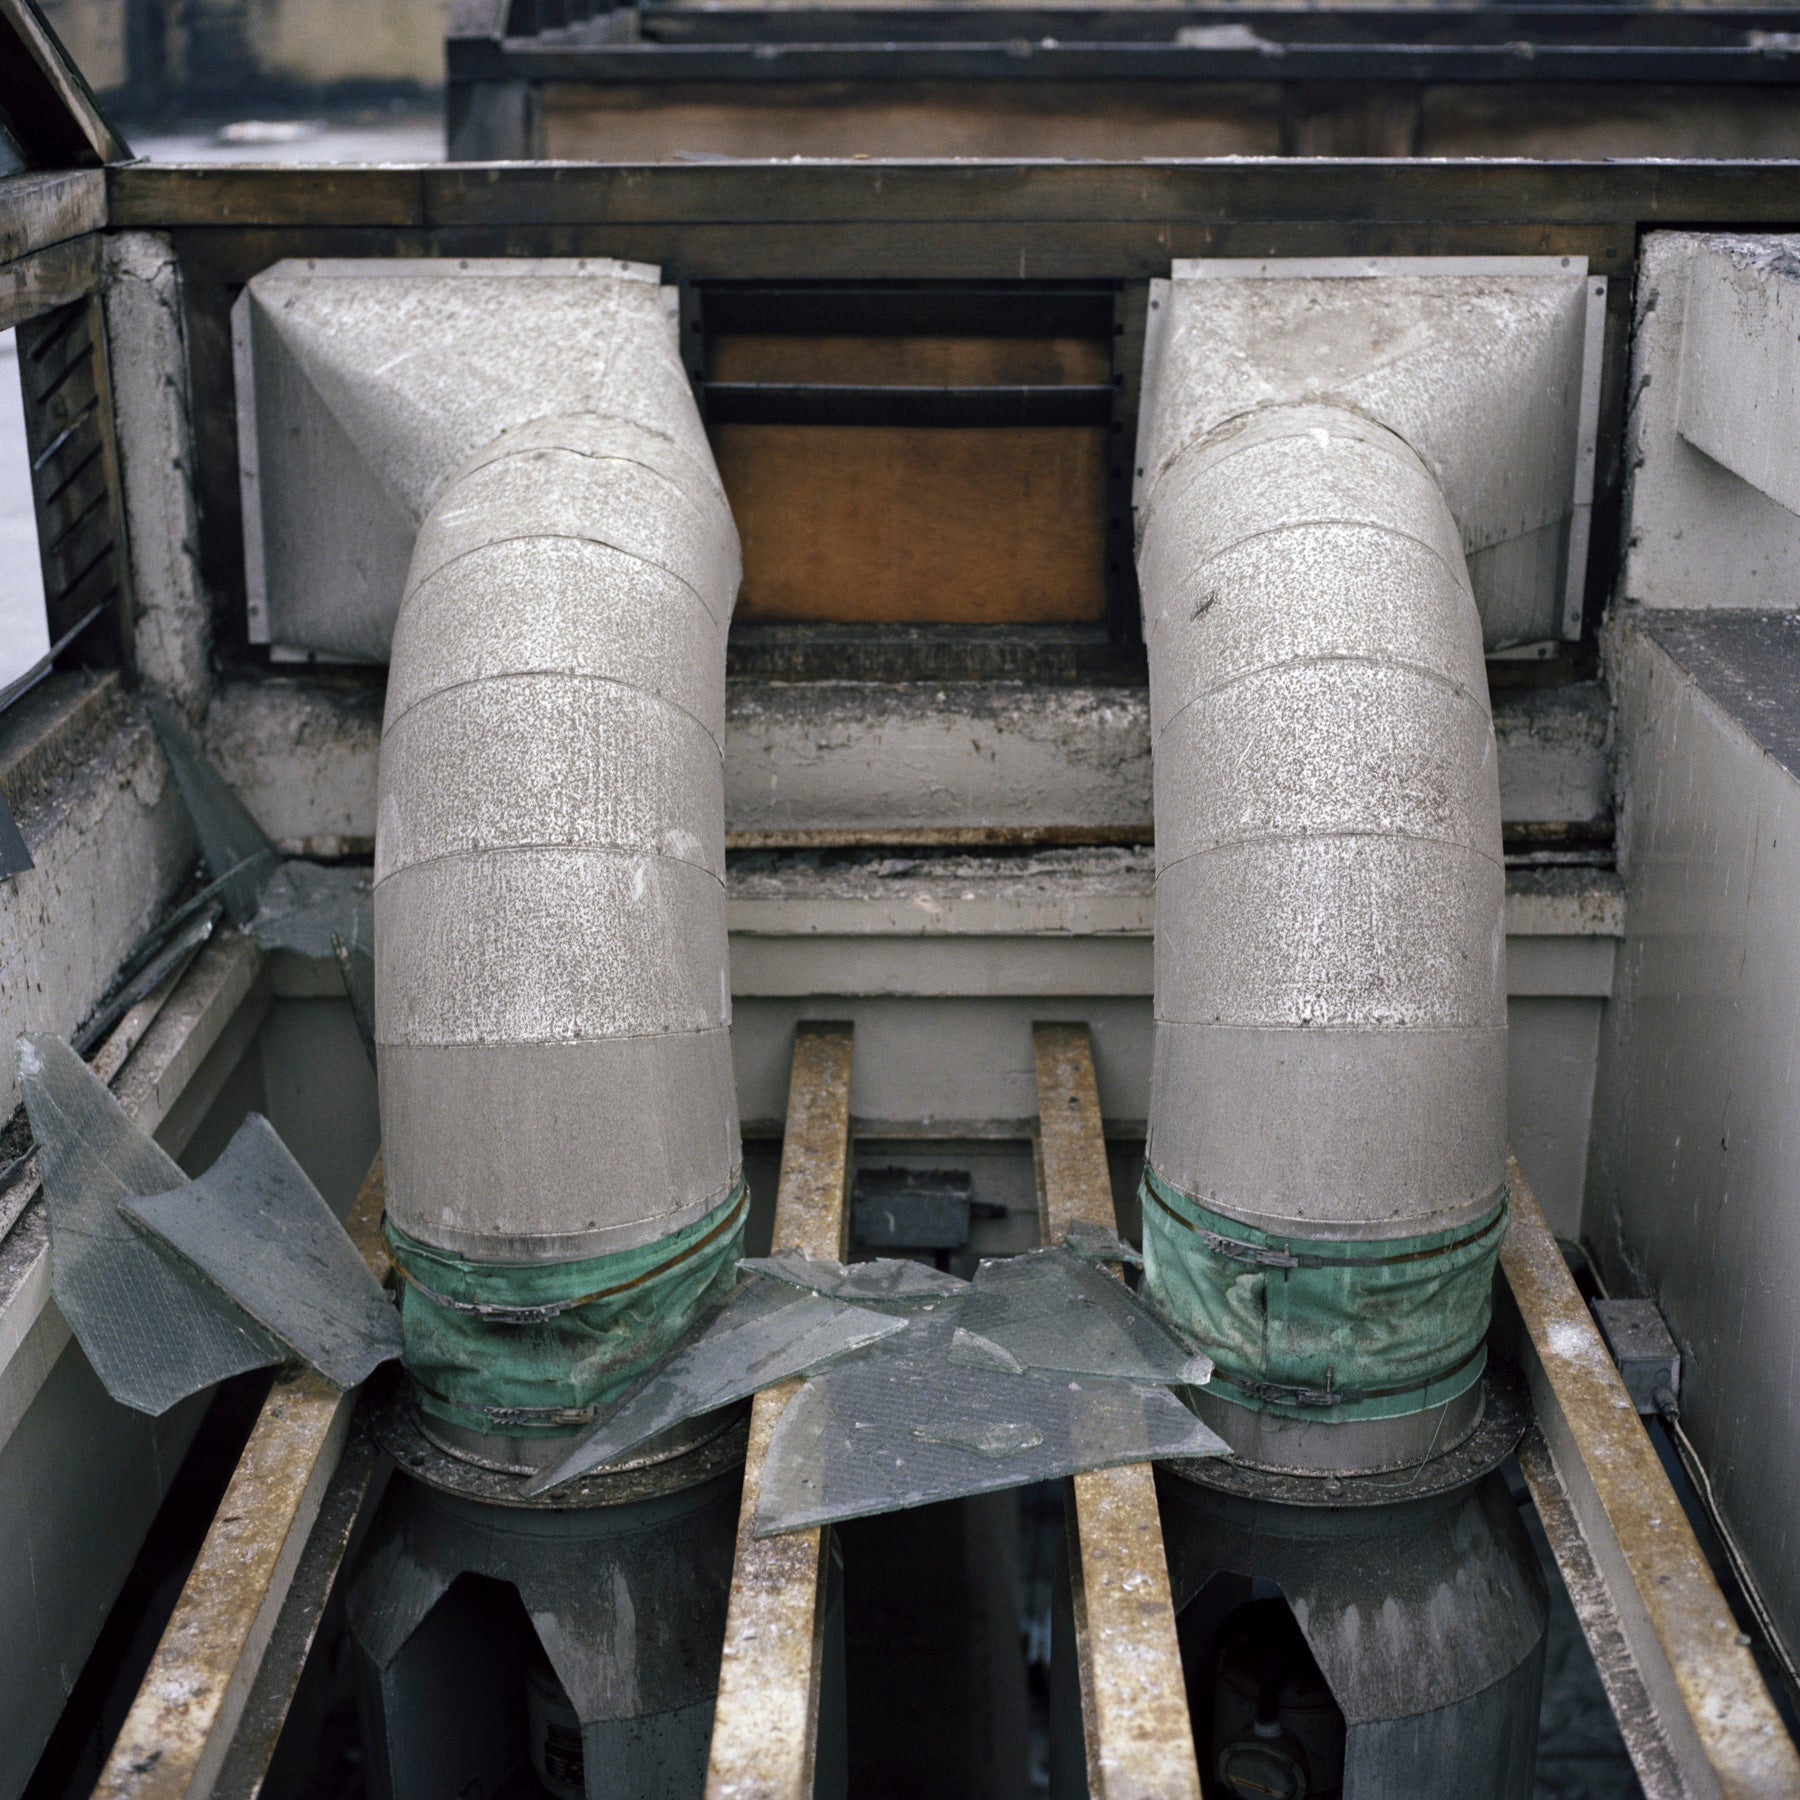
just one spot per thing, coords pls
(1502, 1408)
(601, 1664)
(694, 1452)
(498, 1454)
(1425, 1616)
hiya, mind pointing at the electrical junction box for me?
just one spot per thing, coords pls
(1642, 1347)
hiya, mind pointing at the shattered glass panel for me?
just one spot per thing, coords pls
(902, 1424)
(1096, 1243)
(766, 1332)
(1052, 1311)
(152, 1333)
(174, 956)
(969, 1350)
(884, 1279)
(305, 906)
(259, 1231)
(238, 856)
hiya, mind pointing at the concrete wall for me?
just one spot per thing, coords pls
(1695, 1168)
(91, 792)
(1697, 534)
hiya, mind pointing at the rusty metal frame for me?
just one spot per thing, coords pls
(766, 1726)
(1134, 1711)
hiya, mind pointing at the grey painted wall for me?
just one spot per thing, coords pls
(1694, 1177)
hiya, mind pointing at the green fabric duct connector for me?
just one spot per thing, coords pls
(1319, 1329)
(530, 1349)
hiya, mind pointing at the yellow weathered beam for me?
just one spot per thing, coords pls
(1140, 1742)
(766, 1726)
(180, 1727)
(1710, 1705)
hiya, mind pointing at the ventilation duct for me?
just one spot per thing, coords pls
(1324, 1193)
(552, 997)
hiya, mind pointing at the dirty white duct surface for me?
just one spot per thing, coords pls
(1333, 467)
(495, 475)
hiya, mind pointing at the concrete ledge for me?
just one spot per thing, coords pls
(863, 756)
(1064, 922)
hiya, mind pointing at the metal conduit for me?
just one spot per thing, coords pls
(1329, 1088)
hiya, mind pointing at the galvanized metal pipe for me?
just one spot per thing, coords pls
(1330, 1055)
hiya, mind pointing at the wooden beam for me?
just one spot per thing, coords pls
(1661, 1631)
(38, 210)
(180, 1729)
(1145, 200)
(46, 279)
(1140, 1741)
(52, 110)
(765, 1730)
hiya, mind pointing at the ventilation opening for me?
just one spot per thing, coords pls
(915, 456)
(1265, 1724)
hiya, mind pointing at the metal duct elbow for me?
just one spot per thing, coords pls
(558, 1106)
(1324, 1193)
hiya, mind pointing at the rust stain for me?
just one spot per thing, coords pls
(1140, 1741)
(1581, 1399)
(765, 1727)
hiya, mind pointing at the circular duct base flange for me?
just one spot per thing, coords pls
(528, 1456)
(693, 1453)
(1286, 1445)
(1504, 1413)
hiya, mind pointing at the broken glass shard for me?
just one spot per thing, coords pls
(358, 970)
(887, 1278)
(305, 905)
(153, 1335)
(970, 1350)
(256, 1229)
(900, 1425)
(238, 856)
(150, 975)
(994, 1438)
(1097, 1243)
(1055, 1312)
(766, 1332)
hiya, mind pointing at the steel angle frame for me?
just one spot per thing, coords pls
(766, 1724)
(1134, 1710)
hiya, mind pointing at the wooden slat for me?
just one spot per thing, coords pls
(1139, 195)
(765, 1731)
(1713, 1713)
(38, 210)
(176, 1737)
(1140, 1742)
(48, 278)
(75, 473)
